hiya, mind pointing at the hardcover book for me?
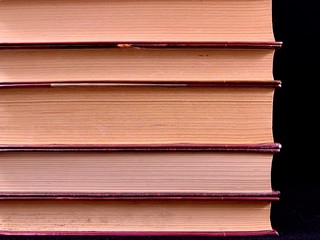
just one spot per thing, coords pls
(161, 216)
(125, 114)
(136, 63)
(241, 170)
(79, 21)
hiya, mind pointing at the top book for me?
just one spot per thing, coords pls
(79, 21)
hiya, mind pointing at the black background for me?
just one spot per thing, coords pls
(295, 171)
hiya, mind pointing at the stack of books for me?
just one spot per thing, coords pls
(137, 117)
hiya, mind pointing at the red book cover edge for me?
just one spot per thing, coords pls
(150, 83)
(144, 44)
(262, 196)
(263, 147)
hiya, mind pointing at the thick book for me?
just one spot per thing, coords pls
(179, 171)
(161, 216)
(39, 21)
(136, 63)
(131, 114)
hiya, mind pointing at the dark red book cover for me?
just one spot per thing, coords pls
(145, 44)
(263, 147)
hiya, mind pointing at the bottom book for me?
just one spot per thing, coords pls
(158, 216)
